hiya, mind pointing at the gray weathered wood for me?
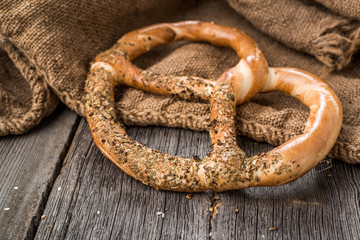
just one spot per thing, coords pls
(98, 201)
(29, 165)
(324, 204)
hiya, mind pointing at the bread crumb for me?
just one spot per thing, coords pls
(161, 213)
(272, 229)
(189, 196)
(217, 197)
(43, 217)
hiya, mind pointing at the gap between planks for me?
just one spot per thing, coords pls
(312, 207)
(29, 166)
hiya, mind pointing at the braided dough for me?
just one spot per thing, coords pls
(226, 167)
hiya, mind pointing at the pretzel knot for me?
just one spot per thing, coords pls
(226, 167)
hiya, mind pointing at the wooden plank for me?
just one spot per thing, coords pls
(29, 165)
(93, 199)
(324, 204)
(97, 201)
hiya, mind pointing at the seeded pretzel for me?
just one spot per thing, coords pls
(226, 167)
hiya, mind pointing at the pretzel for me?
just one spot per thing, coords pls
(226, 167)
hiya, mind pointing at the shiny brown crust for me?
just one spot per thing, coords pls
(226, 167)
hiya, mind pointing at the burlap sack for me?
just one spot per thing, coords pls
(346, 8)
(60, 54)
(52, 44)
(305, 26)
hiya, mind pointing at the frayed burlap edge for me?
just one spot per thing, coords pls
(44, 101)
(337, 41)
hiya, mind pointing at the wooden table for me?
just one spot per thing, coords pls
(55, 184)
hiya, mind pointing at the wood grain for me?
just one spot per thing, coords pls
(324, 204)
(29, 165)
(97, 201)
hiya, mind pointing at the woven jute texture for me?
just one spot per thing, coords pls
(48, 46)
(346, 8)
(306, 26)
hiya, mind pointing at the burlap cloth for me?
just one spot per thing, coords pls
(49, 44)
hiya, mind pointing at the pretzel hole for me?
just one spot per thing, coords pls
(188, 58)
(177, 142)
(188, 143)
(275, 109)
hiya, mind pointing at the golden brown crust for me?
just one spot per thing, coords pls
(226, 167)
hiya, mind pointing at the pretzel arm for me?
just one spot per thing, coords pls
(221, 170)
(300, 154)
(290, 160)
(161, 171)
(252, 67)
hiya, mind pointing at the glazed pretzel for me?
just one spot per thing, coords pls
(226, 167)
